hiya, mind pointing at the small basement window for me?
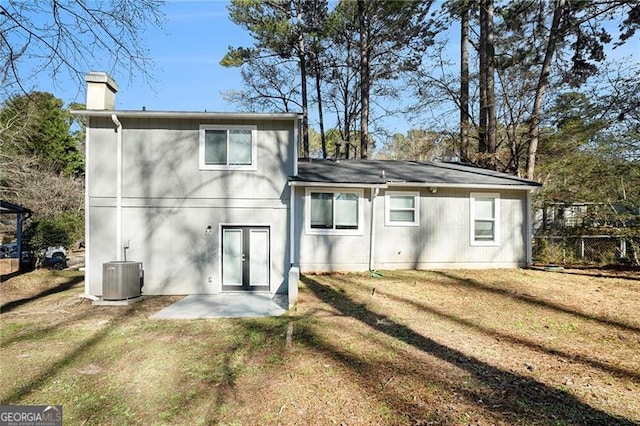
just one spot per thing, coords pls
(333, 211)
(402, 208)
(485, 219)
(227, 147)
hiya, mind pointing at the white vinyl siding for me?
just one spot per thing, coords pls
(227, 147)
(402, 208)
(485, 219)
(332, 211)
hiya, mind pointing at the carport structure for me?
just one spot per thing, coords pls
(21, 213)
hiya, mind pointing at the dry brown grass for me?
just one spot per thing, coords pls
(451, 347)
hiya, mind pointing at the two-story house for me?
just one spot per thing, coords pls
(215, 202)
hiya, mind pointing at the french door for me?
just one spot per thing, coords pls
(245, 258)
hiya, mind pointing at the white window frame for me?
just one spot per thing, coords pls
(388, 209)
(496, 219)
(316, 231)
(254, 148)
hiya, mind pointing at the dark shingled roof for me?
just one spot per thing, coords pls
(388, 172)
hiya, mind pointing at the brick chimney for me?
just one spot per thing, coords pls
(101, 91)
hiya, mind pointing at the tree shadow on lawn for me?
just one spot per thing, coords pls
(9, 306)
(529, 400)
(477, 285)
(538, 347)
(58, 366)
(220, 392)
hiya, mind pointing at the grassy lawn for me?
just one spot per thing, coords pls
(497, 347)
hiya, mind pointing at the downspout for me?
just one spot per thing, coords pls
(87, 215)
(292, 224)
(296, 142)
(372, 237)
(529, 230)
(115, 120)
(293, 279)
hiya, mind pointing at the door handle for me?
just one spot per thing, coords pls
(243, 259)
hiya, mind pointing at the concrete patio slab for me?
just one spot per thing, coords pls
(226, 305)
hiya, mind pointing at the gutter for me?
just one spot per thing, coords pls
(203, 115)
(336, 184)
(464, 185)
(115, 120)
(391, 184)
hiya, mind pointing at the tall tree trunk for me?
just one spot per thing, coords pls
(464, 82)
(543, 82)
(302, 56)
(323, 140)
(347, 116)
(482, 131)
(491, 93)
(487, 87)
(365, 83)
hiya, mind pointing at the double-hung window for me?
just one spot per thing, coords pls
(485, 219)
(227, 147)
(333, 211)
(402, 208)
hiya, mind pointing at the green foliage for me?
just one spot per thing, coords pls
(584, 147)
(590, 153)
(66, 230)
(237, 56)
(552, 253)
(273, 25)
(332, 136)
(418, 145)
(38, 126)
(42, 167)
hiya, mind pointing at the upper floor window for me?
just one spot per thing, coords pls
(227, 147)
(485, 219)
(402, 208)
(332, 211)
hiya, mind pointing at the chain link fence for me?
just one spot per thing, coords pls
(598, 249)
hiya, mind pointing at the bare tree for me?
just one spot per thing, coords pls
(62, 38)
(28, 179)
(271, 85)
(543, 82)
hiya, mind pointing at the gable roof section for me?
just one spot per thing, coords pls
(403, 173)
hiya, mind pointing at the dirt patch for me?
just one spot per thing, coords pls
(412, 347)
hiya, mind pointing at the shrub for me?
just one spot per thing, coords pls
(65, 229)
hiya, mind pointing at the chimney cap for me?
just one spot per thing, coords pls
(102, 77)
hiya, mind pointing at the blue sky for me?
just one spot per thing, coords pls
(187, 75)
(186, 52)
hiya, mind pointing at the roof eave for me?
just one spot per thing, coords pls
(188, 114)
(519, 186)
(336, 184)
(411, 184)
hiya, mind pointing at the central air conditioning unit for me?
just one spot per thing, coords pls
(122, 280)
